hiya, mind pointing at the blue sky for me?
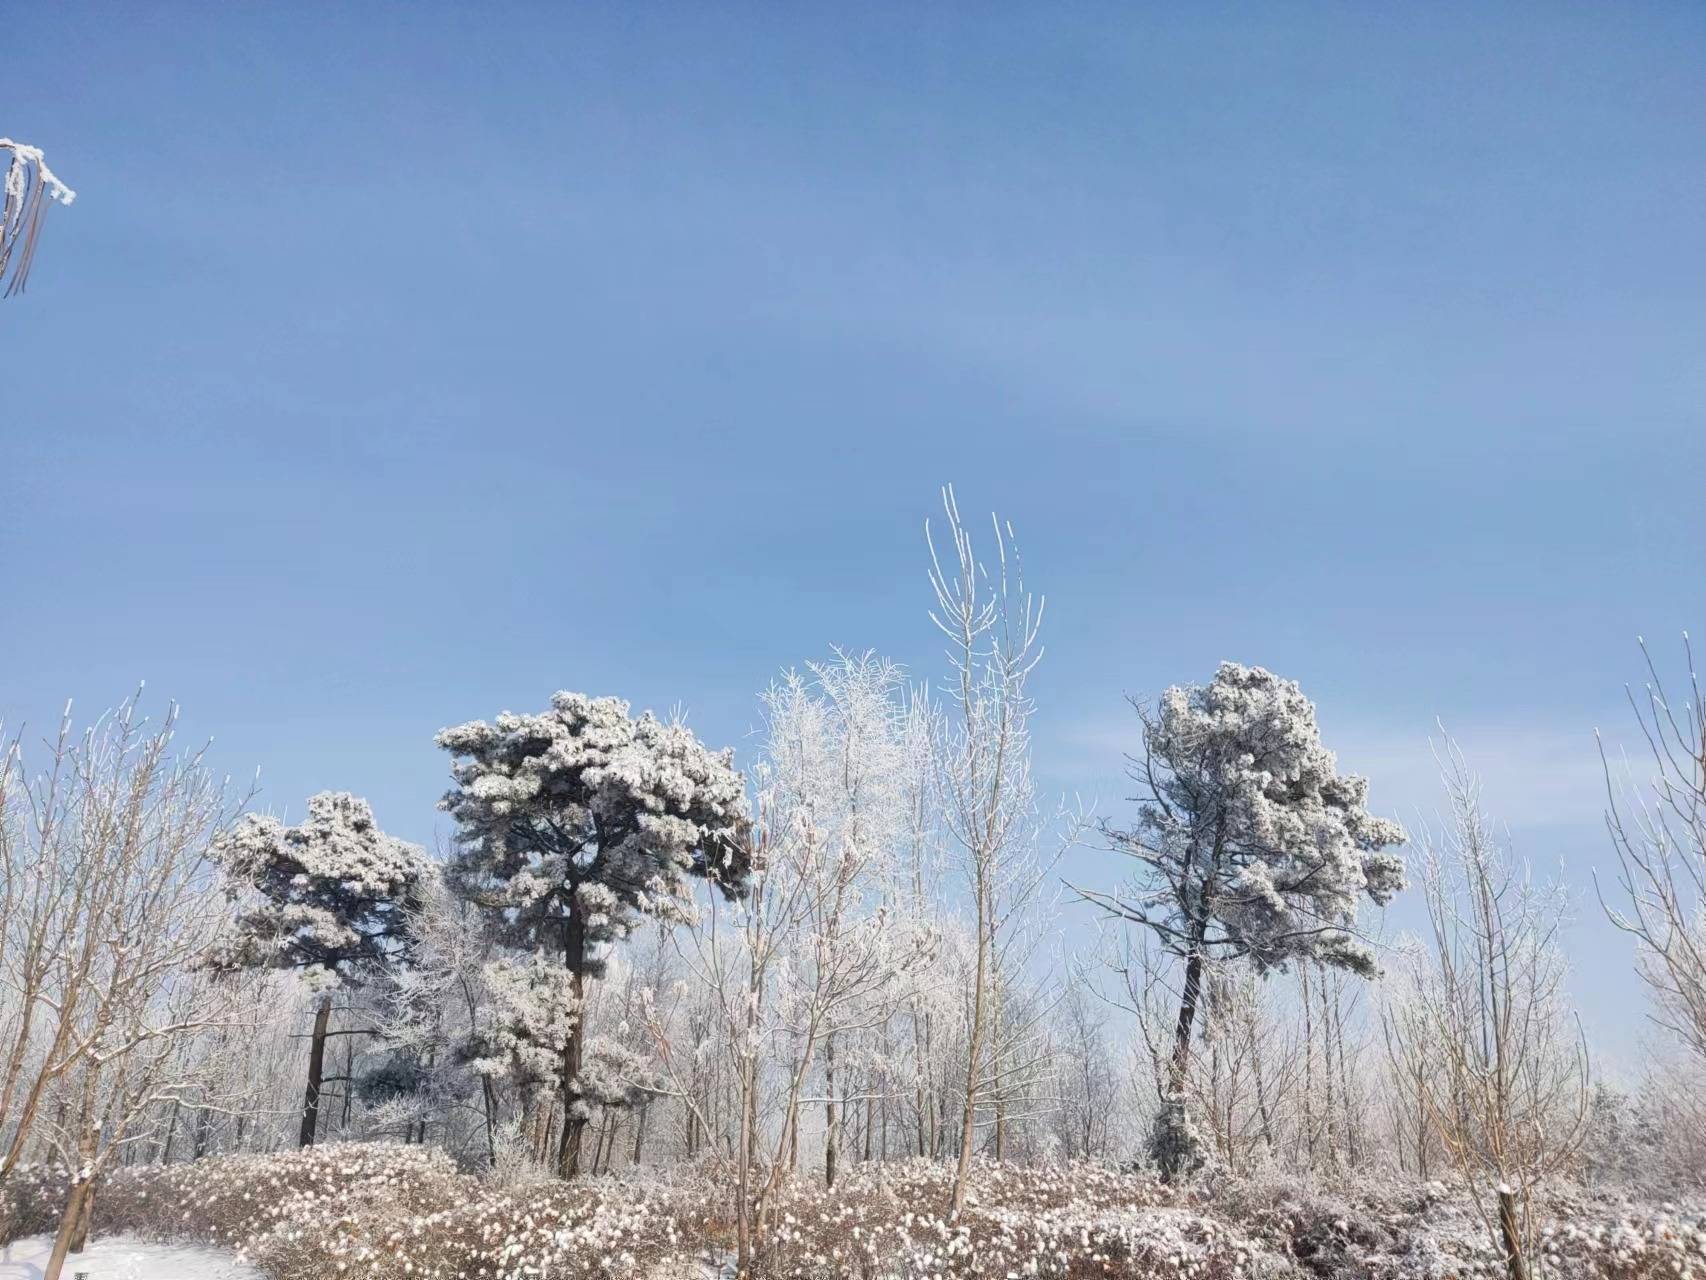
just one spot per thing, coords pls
(399, 364)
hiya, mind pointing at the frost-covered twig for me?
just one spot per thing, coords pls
(29, 187)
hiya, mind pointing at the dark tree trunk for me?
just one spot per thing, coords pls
(574, 1119)
(1173, 1146)
(866, 1134)
(832, 1128)
(316, 1072)
(489, 1097)
(1181, 1060)
(640, 1133)
(171, 1133)
(349, 1090)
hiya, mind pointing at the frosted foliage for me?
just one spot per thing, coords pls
(1176, 1143)
(332, 893)
(535, 1011)
(834, 794)
(835, 768)
(1251, 826)
(587, 815)
(613, 1075)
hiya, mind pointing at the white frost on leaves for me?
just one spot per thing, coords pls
(1251, 805)
(576, 825)
(535, 1013)
(329, 892)
(586, 812)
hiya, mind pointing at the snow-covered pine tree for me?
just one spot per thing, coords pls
(575, 825)
(333, 898)
(1250, 845)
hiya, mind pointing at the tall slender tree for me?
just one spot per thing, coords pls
(1250, 845)
(983, 770)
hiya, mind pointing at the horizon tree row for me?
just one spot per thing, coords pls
(631, 951)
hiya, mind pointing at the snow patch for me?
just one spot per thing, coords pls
(125, 1258)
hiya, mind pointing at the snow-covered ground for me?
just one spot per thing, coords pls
(124, 1258)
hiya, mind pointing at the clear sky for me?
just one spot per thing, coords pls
(400, 364)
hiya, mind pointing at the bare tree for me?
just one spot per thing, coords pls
(111, 865)
(1659, 832)
(733, 956)
(103, 888)
(1484, 1034)
(1087, 1078)
(987, 794)
(814, 956)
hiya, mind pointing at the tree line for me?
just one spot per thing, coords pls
(630, 952)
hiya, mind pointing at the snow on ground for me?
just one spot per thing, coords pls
(124, 1258)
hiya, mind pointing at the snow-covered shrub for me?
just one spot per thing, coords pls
(886, 1222)
(388, 1212)
(31, 1198)
(385, 1212)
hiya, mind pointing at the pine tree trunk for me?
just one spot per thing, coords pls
(1173, 1132)
(1179, 1066)
(574, 1119)
(1172, 1143)
(574, 1123)
(316, 1071)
